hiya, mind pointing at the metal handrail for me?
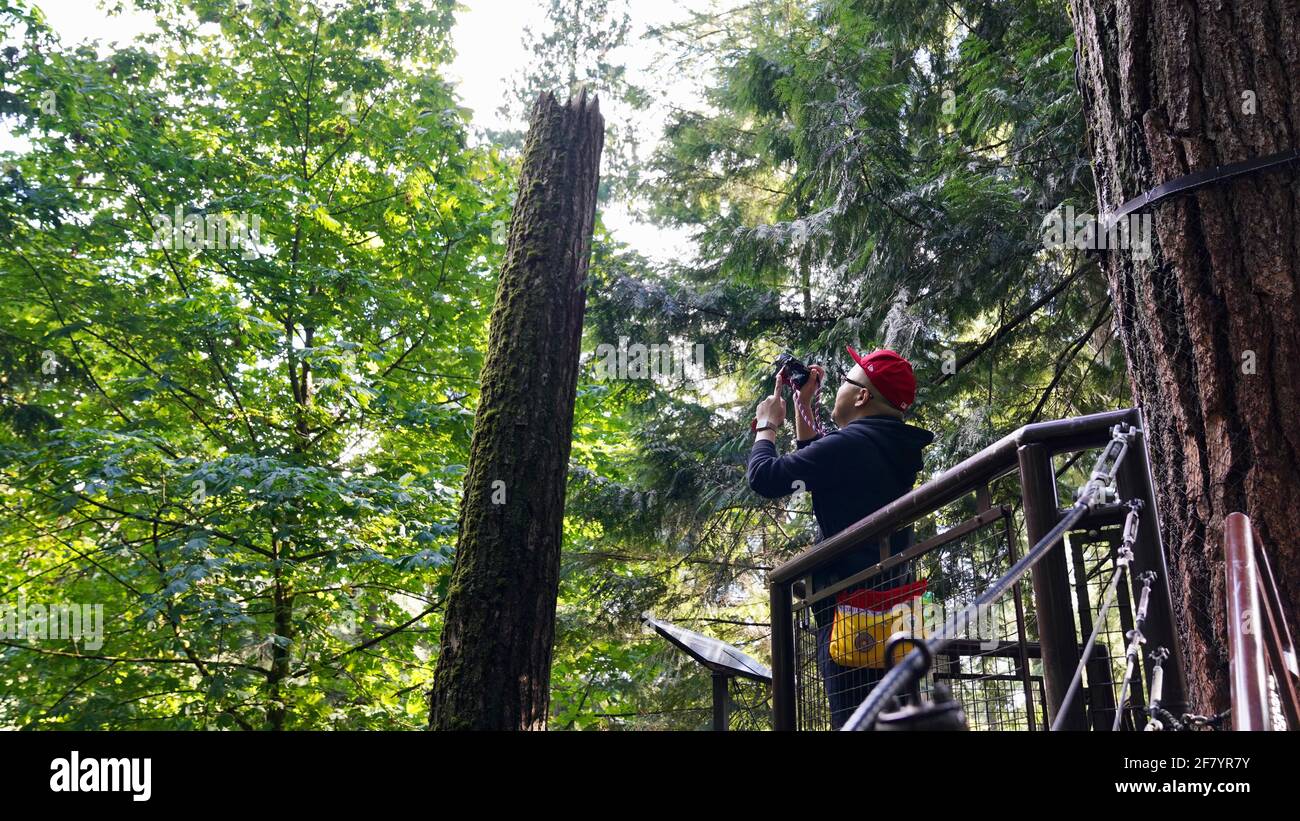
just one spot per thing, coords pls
(1259, 639)
(1029, 451)
(992, 463)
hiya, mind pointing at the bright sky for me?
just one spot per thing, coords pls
(487, 38)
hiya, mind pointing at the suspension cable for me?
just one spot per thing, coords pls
(1136, 640)
(915, 664)
(1122, 562)
(1157, 658)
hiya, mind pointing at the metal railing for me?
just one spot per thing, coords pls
(1261, 655)
(1011, 667)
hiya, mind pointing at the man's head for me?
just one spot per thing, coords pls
(881, 382)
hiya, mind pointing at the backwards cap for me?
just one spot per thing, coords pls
(890, 373)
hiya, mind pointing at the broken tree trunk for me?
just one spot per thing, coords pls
(493, 670)
(1211, 320)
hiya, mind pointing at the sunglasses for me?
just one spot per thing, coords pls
(844, 377)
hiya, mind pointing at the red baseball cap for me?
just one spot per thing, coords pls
(890, 373)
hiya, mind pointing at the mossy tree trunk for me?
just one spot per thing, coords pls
(1211, 321)
(493, 669)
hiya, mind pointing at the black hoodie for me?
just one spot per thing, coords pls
(851, 473)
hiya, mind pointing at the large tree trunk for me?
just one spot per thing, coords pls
(1210, 323)
(494, 665)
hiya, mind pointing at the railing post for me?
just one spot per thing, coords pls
(1133, 481)
(720, 702)
(783, 687)
(1250, 702)
(1051, 578)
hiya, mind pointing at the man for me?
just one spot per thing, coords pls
(871, 460)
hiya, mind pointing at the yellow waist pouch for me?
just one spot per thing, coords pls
(859, 635)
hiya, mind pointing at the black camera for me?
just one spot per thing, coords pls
(796, 371)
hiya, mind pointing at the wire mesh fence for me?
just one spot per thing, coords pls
(1093, 560)
(1015, 599)
(843, 631)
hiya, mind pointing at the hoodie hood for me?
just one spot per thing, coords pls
(899, 443)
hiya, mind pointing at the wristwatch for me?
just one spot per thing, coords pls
(755, 427)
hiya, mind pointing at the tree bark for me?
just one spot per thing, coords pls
(1210, 322)
(493, 670)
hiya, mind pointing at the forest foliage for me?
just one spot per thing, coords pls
(250, 454)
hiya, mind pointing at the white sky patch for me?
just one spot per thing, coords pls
(490, 55)
(77, 20)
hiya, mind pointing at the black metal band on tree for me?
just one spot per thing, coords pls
(1195, 180)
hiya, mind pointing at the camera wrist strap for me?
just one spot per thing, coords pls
(804, 412)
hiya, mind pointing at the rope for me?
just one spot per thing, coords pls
(1162, 719)
(1213, 722)
(804, 413)
(1121, 566)
(1190, 721)
(914, 665)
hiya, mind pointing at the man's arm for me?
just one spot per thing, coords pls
(816, 464)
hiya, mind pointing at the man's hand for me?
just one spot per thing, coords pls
(813, 385)
(772, 410)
